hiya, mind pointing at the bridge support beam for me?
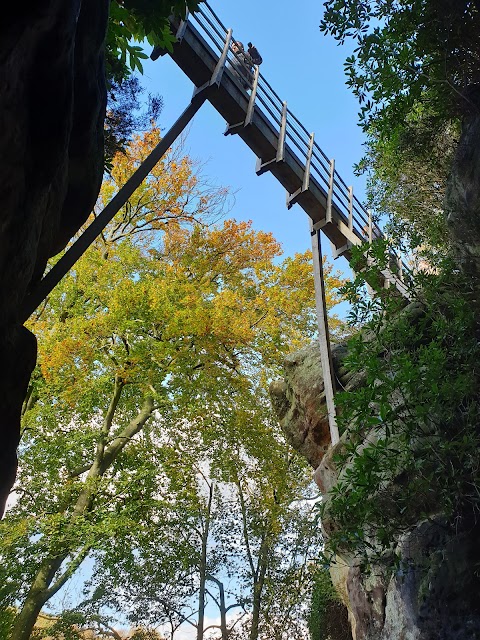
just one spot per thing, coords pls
(323, 333)
(78, 248)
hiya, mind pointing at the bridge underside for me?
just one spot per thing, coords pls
(198, 61)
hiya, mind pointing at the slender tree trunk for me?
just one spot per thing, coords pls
(258, 569)
(203, 567)
(36, 598)
(223, 612)
(221, 606)
(42, 589)
(258, 584)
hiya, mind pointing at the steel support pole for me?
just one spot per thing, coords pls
(323, 333)
(78, 248)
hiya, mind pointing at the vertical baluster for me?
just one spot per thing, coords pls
(218, 73)
(306, 175)
(350, 208)
(253, 95)
(400, 267)
(281, 137)
(182, 27)
(328, 214)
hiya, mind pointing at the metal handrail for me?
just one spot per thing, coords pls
(296, 134)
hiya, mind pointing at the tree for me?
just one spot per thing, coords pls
(139, 21)
(415, 71)
(410, 54)
(164, 316)
(245, 534)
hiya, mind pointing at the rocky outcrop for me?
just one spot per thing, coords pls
(432, 594)
(299, 400)
(52, 108)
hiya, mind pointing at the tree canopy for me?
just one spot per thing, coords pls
(149, 401)
(410, 54)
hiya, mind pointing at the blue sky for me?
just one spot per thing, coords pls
(306, 69)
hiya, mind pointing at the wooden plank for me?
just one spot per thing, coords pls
(323, 334)
(262, 167)
(400, 267)
(218, 73)
(253, 95)
(328, 216)
(182, 27)
(306, 177)
(350, 208)
(282, 135)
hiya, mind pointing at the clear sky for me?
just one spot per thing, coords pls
(306, 69)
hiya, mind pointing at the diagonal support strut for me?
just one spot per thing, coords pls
(78, 248)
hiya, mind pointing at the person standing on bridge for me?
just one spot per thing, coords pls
(242, 64)
(255, 57)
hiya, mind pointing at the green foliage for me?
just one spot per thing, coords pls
(409, 52)
(407, 179)
(323, 594)
(414, 71)
(7, 618)
(413, 437)
(139, 21)
(149, 398)
(328, 616)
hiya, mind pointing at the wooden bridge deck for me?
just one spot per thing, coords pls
(281, 143)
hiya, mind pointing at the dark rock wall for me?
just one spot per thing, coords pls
(52, 108)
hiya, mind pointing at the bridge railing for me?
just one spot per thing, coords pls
(297, 138)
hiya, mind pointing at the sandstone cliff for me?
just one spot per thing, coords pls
(432, 593)
(52, 108)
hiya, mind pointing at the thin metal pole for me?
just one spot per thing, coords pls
(323, 334)
(78, 248)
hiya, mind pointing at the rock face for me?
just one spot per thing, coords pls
(434, 593)
(299, 401)
(52, 108)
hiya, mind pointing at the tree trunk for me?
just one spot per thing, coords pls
(258, 583)
(203, 568)
(221, 606)
(223, 612)
(36, 598)
(42, 589)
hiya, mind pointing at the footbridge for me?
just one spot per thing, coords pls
(207, 53)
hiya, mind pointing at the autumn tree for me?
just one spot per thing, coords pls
(164, 318)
